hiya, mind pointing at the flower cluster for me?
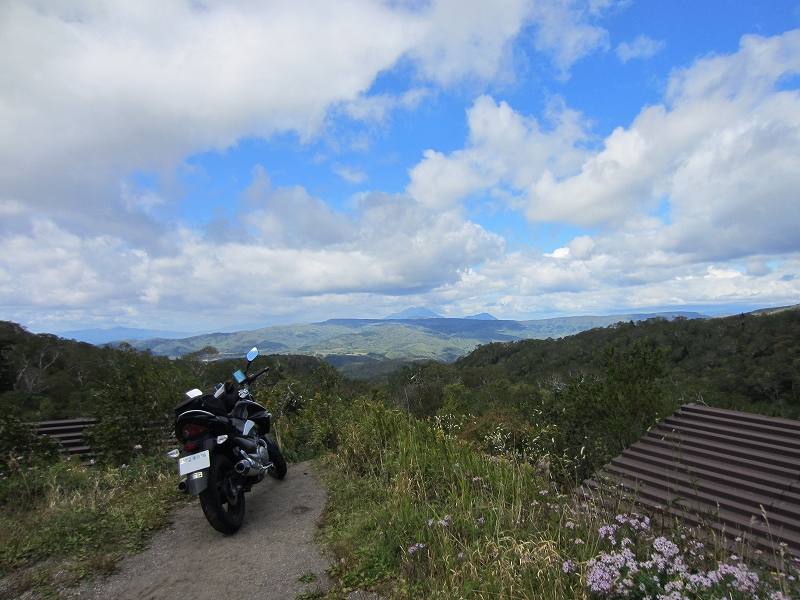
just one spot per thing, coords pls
(663, 571)
(416, 547)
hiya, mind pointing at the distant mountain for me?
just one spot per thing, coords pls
(359, 345)
(777, 309)
(115, 334)
(482, 317)
(418, 312)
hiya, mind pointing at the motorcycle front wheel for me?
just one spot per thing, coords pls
(223, 505)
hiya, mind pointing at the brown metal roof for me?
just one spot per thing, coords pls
(69, 433)
(736, 472)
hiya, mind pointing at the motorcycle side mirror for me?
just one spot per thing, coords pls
(252, 354)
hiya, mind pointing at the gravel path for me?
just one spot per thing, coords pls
(264, 560)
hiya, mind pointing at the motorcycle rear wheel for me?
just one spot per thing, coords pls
(223, 515)
(278, 468)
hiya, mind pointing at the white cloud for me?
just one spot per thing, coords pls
(677, 202)
(92, 91)
(469, 38)
(280, 253)
(696, 200)
(441, 182)
(98, 89)
(558, 253)
(581, 247)
(350, 175)
(524, 283)
(722, 153)
(504, 147)
(564, 31)
(375, 108)
(641, 47)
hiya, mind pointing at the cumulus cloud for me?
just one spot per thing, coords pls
(91, 92)
(504, 147)
(699, 198)
(722, 154)
(723, 151)
(695, 199)
(641, 47)
(375, 108)
(581, 247)
(282, 251)
(527, 283)
(565, 31)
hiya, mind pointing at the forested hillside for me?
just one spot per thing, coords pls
(44, 377)
(749, 361)
(573, 404)
(352, 341)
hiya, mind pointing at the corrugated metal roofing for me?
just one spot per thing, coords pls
(737, 472)
(69, 433)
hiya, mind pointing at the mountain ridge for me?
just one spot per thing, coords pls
(348, 341)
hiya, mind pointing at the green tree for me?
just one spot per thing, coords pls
(596, 418)
(134, 407)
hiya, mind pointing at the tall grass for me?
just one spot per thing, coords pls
(415, 512)
(418, 512)
(64, 522)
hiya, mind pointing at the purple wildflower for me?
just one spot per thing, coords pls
(415, 547)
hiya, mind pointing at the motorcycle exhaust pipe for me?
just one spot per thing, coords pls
(248, 468)
(183, 487)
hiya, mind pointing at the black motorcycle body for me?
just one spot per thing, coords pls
(226, 448)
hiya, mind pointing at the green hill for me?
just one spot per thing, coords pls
(745, 362)
(346, 342)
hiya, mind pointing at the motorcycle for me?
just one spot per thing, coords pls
(227, 447)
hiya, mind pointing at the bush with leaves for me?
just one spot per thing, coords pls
(20, 447)
(134, 408)
(593, 419)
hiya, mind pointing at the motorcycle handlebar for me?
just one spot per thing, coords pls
(251, 378)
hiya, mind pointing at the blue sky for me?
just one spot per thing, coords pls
(197, 165)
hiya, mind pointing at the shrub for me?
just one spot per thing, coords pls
(134, 407)
(20, 447)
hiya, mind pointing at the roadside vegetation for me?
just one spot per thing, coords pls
(476, 499)
(449, 480)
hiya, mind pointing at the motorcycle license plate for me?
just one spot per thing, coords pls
(194, 462)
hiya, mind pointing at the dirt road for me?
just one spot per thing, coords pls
(264, 560)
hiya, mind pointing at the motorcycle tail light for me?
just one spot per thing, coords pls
(191, 430)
